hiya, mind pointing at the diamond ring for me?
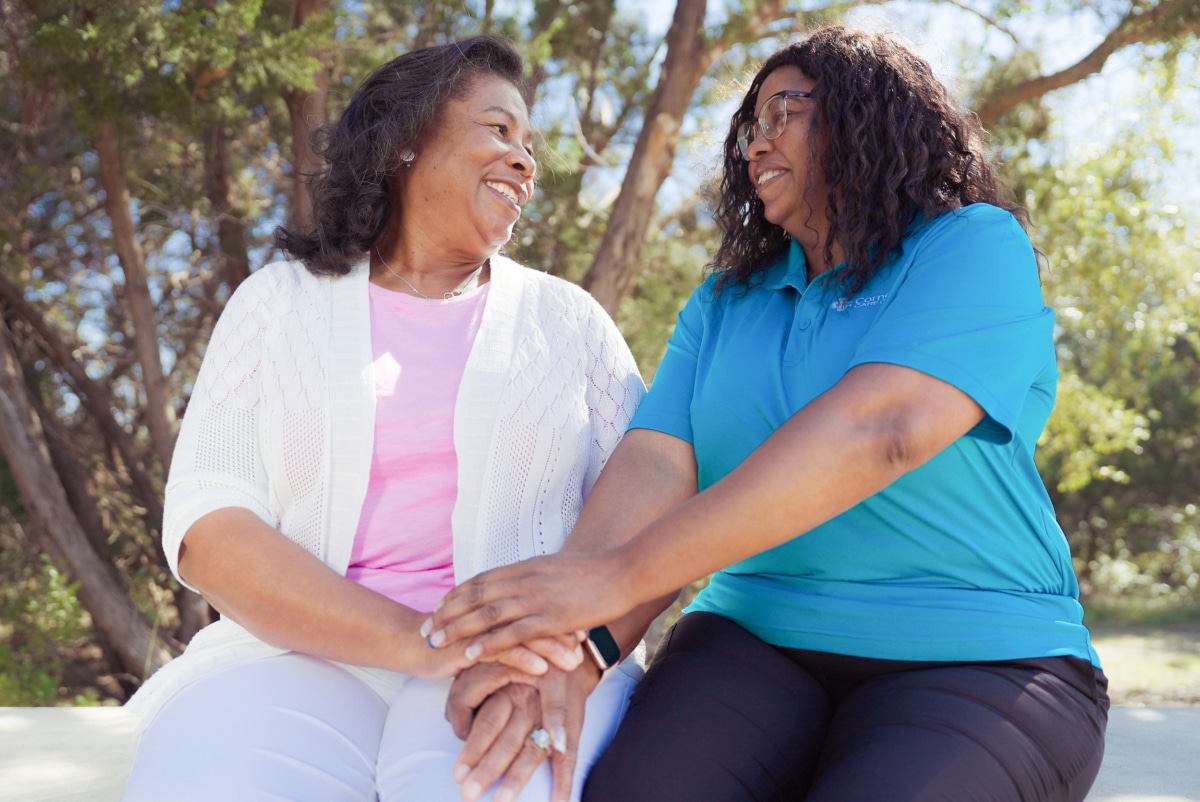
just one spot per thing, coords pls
(540, 738)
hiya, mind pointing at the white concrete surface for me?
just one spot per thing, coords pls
(1152, 754)
(64, 754)
(80, 754)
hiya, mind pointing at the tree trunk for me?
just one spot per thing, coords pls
(308, 111)
(194, 612)
(688, 58)
(24, 448)
(231, 231)
(160, 413)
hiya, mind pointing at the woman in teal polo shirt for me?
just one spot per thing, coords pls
(849, 406)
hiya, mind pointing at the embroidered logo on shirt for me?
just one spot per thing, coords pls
(842, 304)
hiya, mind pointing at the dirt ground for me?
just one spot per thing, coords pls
(1154, 666)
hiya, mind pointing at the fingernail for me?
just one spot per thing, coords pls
(538, 665)
(437, 638)
(472, 791)
(558, 736)
(473, 651)
(460, 773)
(427, 627)
(503, 795)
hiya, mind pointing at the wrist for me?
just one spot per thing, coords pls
(588, 675)
(624, 587)
(410, 652)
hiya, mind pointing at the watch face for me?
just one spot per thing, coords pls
(603, 647)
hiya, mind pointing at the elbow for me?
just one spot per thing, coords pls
(897, 445)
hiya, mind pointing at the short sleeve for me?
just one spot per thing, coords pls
(615, 387)
(217, 462)
(966, 307)
(667, 405)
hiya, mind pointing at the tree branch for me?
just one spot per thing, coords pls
(95, 397)
(1141, 25)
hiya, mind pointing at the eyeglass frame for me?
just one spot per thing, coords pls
(744, 131)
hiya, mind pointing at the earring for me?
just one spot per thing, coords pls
(407, 156)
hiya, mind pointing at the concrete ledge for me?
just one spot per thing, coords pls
(80, 754)
(1150, 756)
(65, 754)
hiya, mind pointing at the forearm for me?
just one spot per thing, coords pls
(877, 424)
(648, 474)
(289, 598)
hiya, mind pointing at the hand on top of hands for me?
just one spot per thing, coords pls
(530, 600)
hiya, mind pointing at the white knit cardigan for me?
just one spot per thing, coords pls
(282, 418)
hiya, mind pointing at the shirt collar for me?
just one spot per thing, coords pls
(790, 269)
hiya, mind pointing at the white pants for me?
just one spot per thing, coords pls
(294, 728)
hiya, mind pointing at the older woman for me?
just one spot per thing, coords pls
(856, 394)
(392, 412)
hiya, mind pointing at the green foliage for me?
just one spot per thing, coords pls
(1114, 614)
(41, 622)
(1119, 452)
(188, 61)
(673, 262)
(1087, 426)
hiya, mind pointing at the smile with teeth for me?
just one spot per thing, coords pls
(505, 190)
(768, 175)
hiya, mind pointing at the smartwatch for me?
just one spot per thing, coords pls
(603, 648)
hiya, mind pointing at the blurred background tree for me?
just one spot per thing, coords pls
(147, 151)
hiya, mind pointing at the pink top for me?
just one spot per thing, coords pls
(403, 548)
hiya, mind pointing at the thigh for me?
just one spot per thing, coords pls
(990, 733)
(419, 748)
(720, 715)
(286, 727)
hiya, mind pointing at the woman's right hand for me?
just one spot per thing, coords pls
(537, 598)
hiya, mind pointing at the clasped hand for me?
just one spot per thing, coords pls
(494, 708)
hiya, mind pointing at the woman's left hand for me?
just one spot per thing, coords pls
(537, 598)
(495, 709)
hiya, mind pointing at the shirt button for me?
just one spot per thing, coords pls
(804, 324)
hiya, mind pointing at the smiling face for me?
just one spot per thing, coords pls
(785, 171)
(472, 173)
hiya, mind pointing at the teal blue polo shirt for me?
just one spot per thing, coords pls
(961, 559)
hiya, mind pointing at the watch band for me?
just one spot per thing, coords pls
(603, 647)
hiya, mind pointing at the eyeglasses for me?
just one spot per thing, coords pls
(771, 120)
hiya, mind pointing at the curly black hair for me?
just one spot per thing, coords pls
(353, 194)
(896, 150)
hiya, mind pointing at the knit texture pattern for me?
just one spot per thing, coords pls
(567, 402)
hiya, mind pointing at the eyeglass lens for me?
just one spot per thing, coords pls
(771, 121)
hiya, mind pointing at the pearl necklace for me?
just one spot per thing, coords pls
(446, 296)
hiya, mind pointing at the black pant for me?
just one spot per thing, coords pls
(722, 716)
